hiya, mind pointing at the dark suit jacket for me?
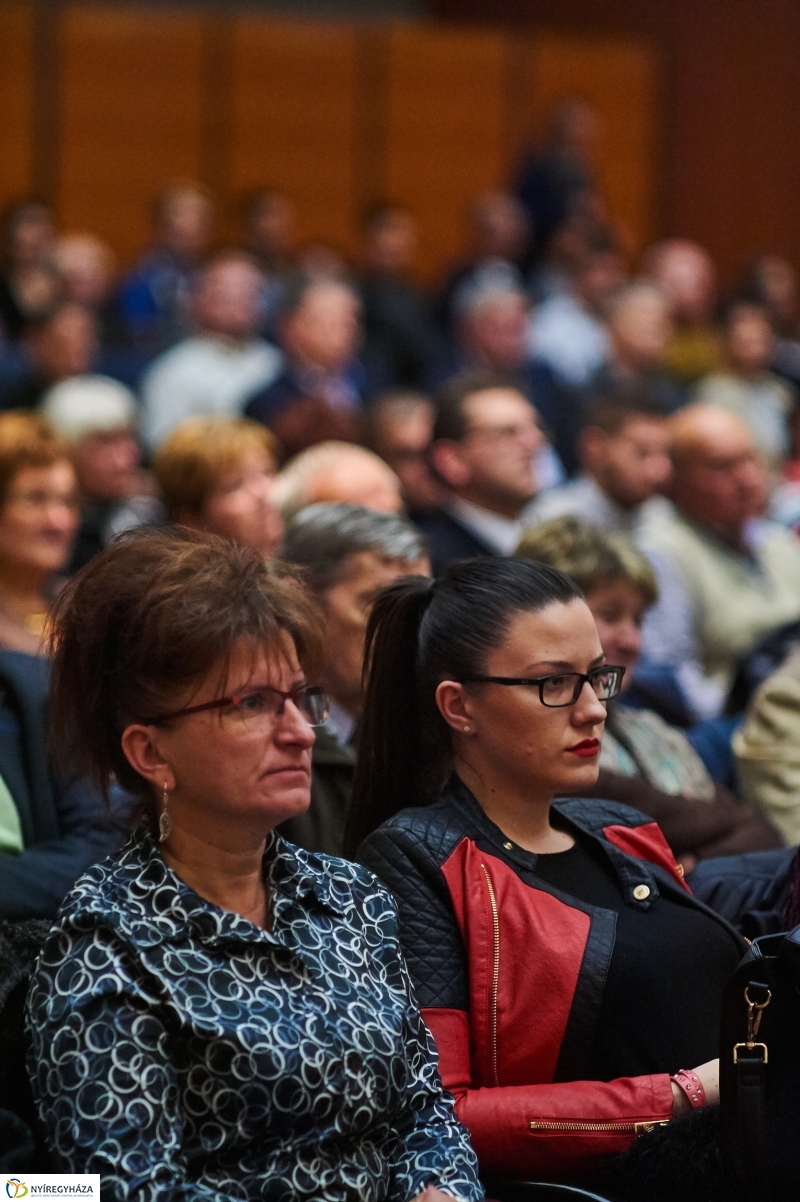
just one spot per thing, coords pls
(448, 541)
(65, 825)
(321, 827)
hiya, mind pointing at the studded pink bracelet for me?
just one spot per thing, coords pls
(692, 1086)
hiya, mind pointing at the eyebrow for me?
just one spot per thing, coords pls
(562, 665)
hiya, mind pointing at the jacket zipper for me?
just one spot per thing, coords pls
(495, 966)
(620, 1125)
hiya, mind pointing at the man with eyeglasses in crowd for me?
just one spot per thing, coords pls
(487, 447)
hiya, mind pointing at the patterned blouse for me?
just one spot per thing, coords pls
(185, 1054)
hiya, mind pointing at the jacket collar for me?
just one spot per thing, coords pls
(586, 817)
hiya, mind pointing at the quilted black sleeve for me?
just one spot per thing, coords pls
(429, 933)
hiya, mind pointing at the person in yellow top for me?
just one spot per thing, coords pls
(685, 271)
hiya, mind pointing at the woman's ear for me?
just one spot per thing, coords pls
(454, 704)
(142, 750)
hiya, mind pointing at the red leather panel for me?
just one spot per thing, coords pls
(646, 843)
(542, 941)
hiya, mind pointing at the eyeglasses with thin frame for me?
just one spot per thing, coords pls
(563, 688)
(252, 706)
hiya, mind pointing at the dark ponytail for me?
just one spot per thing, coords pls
(421, 632)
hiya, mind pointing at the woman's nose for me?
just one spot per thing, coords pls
(588, 707)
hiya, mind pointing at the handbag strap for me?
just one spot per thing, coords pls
(750, 1061)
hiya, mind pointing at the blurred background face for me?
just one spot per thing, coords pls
(347, 605)
(357, 479)
(749, 341)
(632, 465)
(185, 223)
(501, 226)
(776, 282)
(597, 279)
(107, 465)
(618, 610)
(240, 505)
(324, 331)
(720, 481)
(402, 437)
(392, 243)
(272, 226)
(30, 235)
(640, 329)
(686, 273)
(85, 265)
(67, 345)
(495, 334)
(228, 299)
(38, 521)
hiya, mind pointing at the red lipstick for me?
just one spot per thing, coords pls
(586, 749)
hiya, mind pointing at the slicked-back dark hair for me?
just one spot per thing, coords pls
(421, 632)
(145, 621)
(451, 421)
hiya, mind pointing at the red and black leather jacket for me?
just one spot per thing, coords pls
(510, 977)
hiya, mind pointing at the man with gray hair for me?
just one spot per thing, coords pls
(346, 554)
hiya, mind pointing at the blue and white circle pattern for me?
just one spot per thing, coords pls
(184, 1053)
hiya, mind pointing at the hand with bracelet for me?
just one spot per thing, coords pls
(695, 1088)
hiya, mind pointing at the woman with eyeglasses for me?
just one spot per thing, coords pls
(216, 1013)
(571, 982)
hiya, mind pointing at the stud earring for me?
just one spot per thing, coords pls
(466, 730)
(164, 822)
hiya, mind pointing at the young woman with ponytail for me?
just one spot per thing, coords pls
(565, 971)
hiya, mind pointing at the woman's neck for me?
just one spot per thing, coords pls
(228, 873)
(21, 593)
(520, 810)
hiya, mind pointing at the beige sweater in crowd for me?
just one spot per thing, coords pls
(767, 749)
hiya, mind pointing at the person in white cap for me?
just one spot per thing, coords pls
(97, 417)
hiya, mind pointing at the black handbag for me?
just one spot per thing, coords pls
(760, 1073)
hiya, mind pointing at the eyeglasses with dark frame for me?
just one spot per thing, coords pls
(264, 702)
(563, 688)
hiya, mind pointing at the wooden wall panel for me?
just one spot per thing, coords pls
(445, 129)
(16, 101)
(619, 78)
(131, 109)
(294, 119)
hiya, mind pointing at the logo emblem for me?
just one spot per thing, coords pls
(16, 1188)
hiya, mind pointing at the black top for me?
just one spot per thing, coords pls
(661, 1003)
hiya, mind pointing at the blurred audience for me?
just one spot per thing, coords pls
(152, 299)
(485, 442)
(568, 330)
(640, 328)
(86, 266)
(732, 576)
(215, 369)
(624, 455)
(97, 419)
(320, 392)
(39, 513)
(401, 339)
(346, 555)
(492, 334)
(270, 238)
(771, 282)
(767, 749)
(216, 474)
(398, 426)
(55, 346)
(29, 285)
(557, 181)
(747, 387)
(685, 272)
(337, 471)
(500, 233)
(644, 761)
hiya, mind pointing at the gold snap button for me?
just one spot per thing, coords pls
(641, 892)
(508, 846)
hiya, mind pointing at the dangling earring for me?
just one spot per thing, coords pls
(164, 822)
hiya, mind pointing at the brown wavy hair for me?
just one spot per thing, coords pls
(145, 621)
